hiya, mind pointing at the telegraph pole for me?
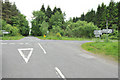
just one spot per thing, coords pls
(107, 28)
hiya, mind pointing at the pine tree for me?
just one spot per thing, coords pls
(54, 10)
(101, 16)
(43, 8)
(48, 13)
(112, 13)
(118, 6)
(82, 18)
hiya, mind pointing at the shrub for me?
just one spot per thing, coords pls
(81, 29)
(59, 35)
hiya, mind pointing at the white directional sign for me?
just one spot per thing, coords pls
(107, 31)
(98, 32)
(23, 54)
(6, 32)
(97, 35)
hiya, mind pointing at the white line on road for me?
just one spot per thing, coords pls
(3, 43)
(26, 43)
(60, 73)
(21, 43)
(12, 43)
(42, 48)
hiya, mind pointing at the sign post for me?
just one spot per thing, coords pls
(4, 32)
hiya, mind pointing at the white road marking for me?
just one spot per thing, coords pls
(21, 43)
(86, 56)
(23, 56)
(60, 73)
(42, 48)
(26, 43)
(3, 43)
(12, 43)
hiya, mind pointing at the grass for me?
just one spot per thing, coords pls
(108, 49)
(12, 37)
(62, 38)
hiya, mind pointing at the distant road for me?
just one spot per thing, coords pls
(31, 57)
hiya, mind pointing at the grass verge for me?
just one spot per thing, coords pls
(12, 37)
(109, 49)
(62, 38)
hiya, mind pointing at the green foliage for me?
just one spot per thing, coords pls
(12, 16)
(109, 49)
(44, 28)
(114, 35)
(80, 29)
(102, 15)
(12, 37)
(56, 29)
(13, 30)
(54, 21)
(8, 11)
(39, 17)
(59, 35)
(57, 19)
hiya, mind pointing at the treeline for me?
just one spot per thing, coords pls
(104, 14)
(53, 21)
(45, 19)
(13, 21)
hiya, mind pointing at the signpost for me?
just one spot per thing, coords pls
(4, 32)
(107, 31)
(100, 32)
(97, 33)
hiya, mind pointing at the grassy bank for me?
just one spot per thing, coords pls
(62, 38)
(12, 37)
(109, 49)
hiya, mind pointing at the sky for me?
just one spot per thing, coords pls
(72, 8)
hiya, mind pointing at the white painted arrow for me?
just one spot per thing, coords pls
(28, 56)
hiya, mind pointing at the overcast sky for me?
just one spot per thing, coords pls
(72, 8)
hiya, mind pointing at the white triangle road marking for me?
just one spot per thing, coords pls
(23, 56)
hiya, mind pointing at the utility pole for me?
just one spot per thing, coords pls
(107, 28)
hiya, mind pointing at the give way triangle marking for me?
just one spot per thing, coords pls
(23, 55)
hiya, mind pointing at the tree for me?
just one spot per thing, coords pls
(112, 13)
(13, 17)
(54, 10)
(101, 16)
(82, 18)
(48, 13)
(39, 17)
(44, 27)
(42, 8)
(57, 20)
(90, 16)
(118, 6)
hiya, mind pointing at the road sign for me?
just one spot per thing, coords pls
(28, 56)
(5, 32)
(107, 31)
(97, 32)
(97, 35)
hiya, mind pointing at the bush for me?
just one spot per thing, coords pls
(114, 35)
(81, 29)
(58, 35)
(13, 30)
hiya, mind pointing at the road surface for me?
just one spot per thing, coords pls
(31, 57)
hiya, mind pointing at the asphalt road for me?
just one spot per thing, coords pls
(52, 59)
